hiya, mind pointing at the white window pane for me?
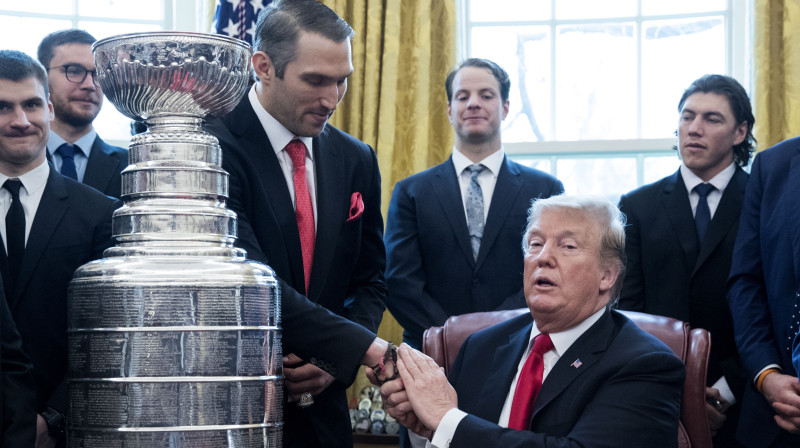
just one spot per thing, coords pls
(38, 6)
(596, 82)
(33, 30)
(609, 177)
(594, 9)
(112, 125)
(508, 10)
(101, 30)
(659, 167)
(671, 61)
(524, 52)
(539, 164)
(654, 7)
(122, 9)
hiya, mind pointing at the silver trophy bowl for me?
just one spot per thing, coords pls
(174, 337)
(148, 75)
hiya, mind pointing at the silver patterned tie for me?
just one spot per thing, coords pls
(475, 209)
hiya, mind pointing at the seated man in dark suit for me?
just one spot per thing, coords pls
(17, 414)
(74, 146)
(584, 375)
(52, 226)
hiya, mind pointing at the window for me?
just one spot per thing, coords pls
(23, 24)
(595, 84)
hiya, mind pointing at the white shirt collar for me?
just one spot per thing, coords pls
(493, 162)
(720, 181)
(84, 143)
(34, 180)
(563, 340)
(277, 133)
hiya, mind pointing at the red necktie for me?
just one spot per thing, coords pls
(529, 383)
(303, 210)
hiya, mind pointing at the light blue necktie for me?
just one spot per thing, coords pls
(702, 216)
(475, 209)
(67, 153)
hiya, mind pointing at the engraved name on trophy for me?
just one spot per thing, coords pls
(174, 337)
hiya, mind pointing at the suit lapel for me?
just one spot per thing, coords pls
(505, 194)
(725, 217)
(331, 194)
(448, 193)
(679, 211)
(793, 191)
(52, 208)
(588, 348)
(244, 124)
(505, 363)
(100, 168)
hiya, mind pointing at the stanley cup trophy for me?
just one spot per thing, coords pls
(174, 337)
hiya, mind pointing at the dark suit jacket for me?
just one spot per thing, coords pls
(625, 393)
(669, 275)
(17, 390)
(430, 271)
(765, 276)
(72, 226)
(349, 257)
(104, 168)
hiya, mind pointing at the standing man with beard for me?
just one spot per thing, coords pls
(307, 196)
(74, 146)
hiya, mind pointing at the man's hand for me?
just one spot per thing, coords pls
(426, 385)
(716, 415)
(43, 437)
(783, 393)
(300, 377)
(395, 401)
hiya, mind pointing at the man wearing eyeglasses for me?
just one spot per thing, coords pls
(74, 147)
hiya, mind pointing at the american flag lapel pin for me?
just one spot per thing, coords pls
(577, 363)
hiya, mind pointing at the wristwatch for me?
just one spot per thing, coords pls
(56, 422)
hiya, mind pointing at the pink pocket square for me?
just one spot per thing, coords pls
(356, 207)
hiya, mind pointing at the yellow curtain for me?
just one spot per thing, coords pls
(777, 64)
(396, 102)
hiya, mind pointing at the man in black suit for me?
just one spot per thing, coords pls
(672, 270)
(17, 391)
(74, 146)
(53, 225)
(307, 194)
(439, 263)
(583, 375)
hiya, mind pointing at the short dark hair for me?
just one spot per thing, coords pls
(740, 105)
(499, 74)
(279, 25)
(58, 38)
(17, 66)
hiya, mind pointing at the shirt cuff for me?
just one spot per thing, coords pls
(417, 441)
(447, 428)
(724, 390)
(771, 366)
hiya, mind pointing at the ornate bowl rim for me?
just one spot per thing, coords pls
(155, 34)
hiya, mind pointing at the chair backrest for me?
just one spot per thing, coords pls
(690, 345)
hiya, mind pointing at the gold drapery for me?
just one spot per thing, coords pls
(402, 52)
(777, 68)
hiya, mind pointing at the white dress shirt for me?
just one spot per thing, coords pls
(720, 181)
(81, 158)
(561, 343)
(279, 137)
(486, 178)
(33, 183)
